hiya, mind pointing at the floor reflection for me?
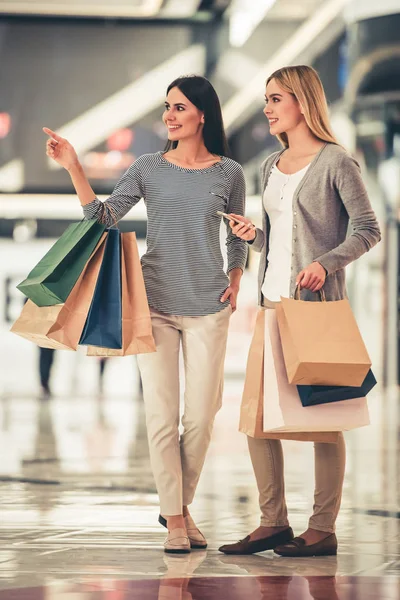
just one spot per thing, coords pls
(79, 509)
(217, 588)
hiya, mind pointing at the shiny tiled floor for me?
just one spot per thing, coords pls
(79, 510)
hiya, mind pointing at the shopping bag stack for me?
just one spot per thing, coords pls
(316, 368)
(308, 373)
(324, 353)
(88, 290)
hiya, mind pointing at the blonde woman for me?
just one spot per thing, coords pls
(310, 191)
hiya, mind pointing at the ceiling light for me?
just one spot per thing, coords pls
(86, 8)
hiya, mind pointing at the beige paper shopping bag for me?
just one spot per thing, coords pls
(252, 407)
(283, 410)
(60, 326)
(321, 342)
(137, 336)
(35, 322)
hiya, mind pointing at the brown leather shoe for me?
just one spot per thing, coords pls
(246, 546)
(298, 547)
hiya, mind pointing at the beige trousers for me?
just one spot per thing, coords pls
(267, 458)
(176, 460)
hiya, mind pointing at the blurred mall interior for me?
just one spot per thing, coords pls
(78, 505)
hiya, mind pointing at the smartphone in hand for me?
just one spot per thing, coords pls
(230, 218)
(222, 214)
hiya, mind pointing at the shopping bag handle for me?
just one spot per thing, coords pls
(321, 293)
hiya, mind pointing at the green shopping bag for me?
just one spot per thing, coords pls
(53, 278)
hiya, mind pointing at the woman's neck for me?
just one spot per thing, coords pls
(302, 142)
(191, 151)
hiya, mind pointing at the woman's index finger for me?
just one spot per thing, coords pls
(52, 134)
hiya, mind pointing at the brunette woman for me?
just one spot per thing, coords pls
(190, 296)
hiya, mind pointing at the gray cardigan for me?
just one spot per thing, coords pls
(330, 193)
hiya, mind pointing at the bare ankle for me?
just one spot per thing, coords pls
(185, 511)
(175, 522)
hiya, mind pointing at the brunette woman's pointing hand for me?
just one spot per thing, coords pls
(60, 150)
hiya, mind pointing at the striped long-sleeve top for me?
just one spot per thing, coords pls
(183, 265)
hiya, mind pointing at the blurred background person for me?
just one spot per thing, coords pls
(46, 358)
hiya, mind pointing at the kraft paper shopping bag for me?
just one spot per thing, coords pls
(322, 344)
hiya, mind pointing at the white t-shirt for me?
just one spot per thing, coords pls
(278, 204)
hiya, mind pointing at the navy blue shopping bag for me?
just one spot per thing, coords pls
(310, 395)
(103, 325)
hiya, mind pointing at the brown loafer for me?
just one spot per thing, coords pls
(298, 547)
(246, 546)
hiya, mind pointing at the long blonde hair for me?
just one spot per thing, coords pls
(304, 84)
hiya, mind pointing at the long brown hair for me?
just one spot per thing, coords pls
(202, 94)
(304, 84)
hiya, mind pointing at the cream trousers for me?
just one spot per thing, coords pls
(267, 458)
(176, 460)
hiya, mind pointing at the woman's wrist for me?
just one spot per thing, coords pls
(251, 241)
(235, 275)
(75, 168)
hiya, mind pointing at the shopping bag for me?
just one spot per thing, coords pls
(322, 344)
(137, 336)
(310, 395)
(251, 409)
(60, 326)
(103, 325)
(53, 278)
(283, 410)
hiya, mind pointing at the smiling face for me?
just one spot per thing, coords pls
(282, 109)
(182, 118)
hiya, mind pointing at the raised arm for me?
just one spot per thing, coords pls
(128, 191)
(63, 153)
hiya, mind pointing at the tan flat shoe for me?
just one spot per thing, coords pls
(177, 542)
(197, 539)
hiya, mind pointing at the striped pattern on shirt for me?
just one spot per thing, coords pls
(183, 264)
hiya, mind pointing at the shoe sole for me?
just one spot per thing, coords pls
(168, 551)
(241, 553)
(296, 555)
